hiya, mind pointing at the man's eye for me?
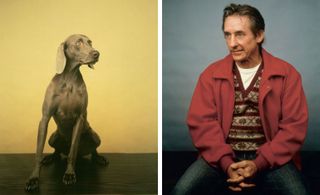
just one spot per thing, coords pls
(240, 35)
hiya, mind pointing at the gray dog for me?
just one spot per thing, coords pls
(66, 100)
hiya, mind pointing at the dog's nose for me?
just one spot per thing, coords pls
(95, 53)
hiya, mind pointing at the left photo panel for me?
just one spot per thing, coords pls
(79, 97)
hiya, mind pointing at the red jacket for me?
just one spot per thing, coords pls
(282, 105)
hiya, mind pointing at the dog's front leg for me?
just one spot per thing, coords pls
(70, 176)
(33, 181)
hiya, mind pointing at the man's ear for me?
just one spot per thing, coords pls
(260, 36)
(61, 59)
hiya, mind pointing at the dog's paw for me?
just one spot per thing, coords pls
(32, 185)
(100, 160)
(69, 178)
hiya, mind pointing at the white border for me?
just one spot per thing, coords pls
(159, 96)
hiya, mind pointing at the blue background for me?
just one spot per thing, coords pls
(192, 39)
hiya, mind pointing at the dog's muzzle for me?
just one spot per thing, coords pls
(95, 54)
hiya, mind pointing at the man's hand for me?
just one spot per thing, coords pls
(246, 168)
(240, 171)
(235, 178)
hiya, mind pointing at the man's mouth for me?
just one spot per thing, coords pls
(237, 52)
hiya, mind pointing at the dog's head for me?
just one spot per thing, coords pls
(75, 51)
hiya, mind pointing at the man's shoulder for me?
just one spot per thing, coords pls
(279, 61)
(277, 64)
(218, 65)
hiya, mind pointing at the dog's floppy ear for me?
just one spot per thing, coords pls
(61, 59)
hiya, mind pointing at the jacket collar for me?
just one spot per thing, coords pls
(270, 67)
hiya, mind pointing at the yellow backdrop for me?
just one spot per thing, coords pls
(122, 88)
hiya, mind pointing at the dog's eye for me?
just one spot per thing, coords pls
(79, 43)
(90, 43)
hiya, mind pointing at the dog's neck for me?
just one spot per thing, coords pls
(71, 73)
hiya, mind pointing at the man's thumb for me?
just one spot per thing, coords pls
(234, 166)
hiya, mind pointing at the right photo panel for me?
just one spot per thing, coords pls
(240, 97)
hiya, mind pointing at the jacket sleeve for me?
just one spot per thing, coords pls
(292, 126)
(205, 129)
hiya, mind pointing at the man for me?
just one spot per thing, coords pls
(248, 116)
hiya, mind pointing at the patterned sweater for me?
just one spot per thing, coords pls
(246, 133)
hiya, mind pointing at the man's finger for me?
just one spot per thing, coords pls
(241, 164)
(234, 166)
(241, 171)
(247, 185)
(247, 174)
(249, 171)
(235, 180)
(235, 188)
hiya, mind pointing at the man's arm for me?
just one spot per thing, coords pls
(292, 126)
(206, 132)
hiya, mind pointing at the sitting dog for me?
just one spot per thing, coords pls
(66, 100)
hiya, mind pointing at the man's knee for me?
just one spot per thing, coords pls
(200, 178)
(286, 179)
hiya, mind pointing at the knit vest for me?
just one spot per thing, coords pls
(246, 132)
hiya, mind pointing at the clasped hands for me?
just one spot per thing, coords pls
(240, 174)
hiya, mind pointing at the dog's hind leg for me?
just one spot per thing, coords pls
(47, 160)
(99, 159)
(56, 142)
(95, 157)
(89, 143)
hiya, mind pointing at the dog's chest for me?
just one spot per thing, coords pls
(71, 102)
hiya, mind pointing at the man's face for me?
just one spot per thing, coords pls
(241, 41)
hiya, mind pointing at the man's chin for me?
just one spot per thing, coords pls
(237, 58)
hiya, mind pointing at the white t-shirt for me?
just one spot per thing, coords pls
(247, 74)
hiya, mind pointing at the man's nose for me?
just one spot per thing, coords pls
(233, 41)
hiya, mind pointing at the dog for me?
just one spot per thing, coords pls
(66, 101)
